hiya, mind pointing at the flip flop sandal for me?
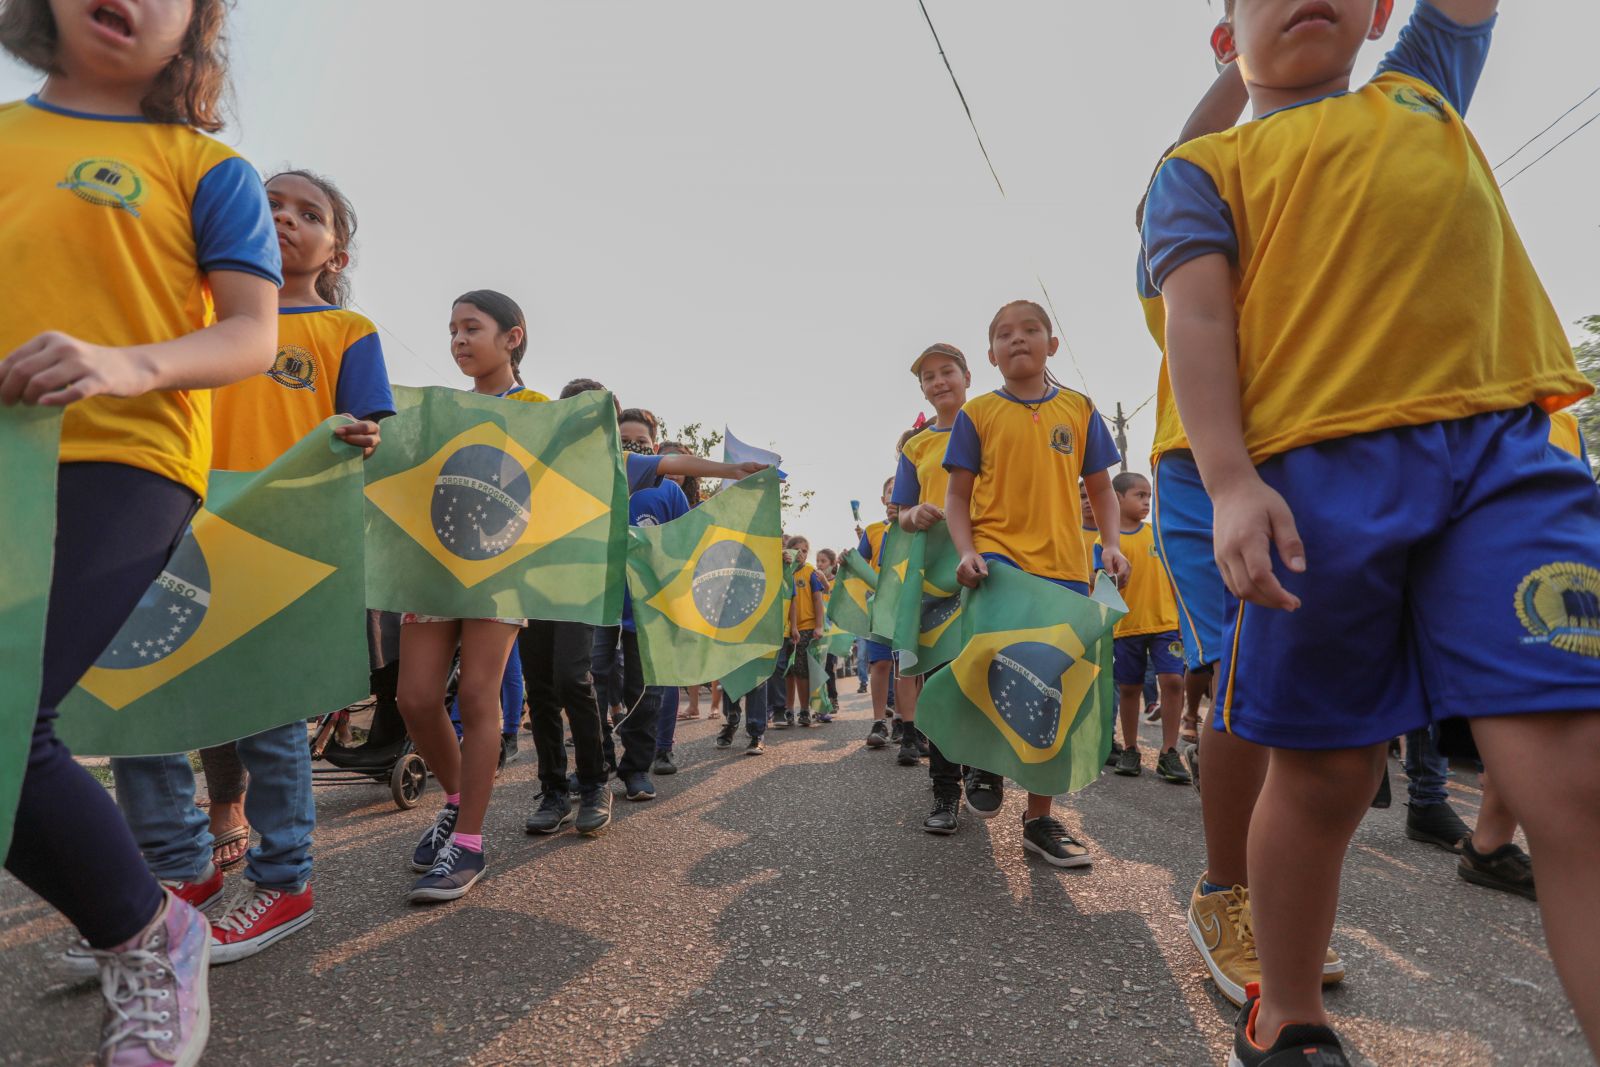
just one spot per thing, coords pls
(230, 837)
(1189, 737)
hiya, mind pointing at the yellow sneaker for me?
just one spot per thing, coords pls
(1219, 926)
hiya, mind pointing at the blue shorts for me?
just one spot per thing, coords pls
(1182, 520)
(1453, 569)
(1129, 655)
(1081, 588)
(878, 653)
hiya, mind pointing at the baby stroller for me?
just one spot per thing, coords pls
(386, 755)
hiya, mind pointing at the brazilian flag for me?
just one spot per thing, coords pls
(817, 675)
(30, 438)
(1030, 696)
(850, 603)
(258, 619)
(745, 678)
(480, 507)
(707, 587)
(921, 622)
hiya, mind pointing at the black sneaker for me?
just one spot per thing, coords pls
(944, 819)
(594, 810)
(1507, 868)
(1297, 1044)
(1169, 765)
(805, 718)
(725, 735)
(553, 814)
(755, 747)
(1128, 764)
(1114, 755)
(922, 744)
(1046, 836)
(638, 786)
(436, 837)
(782, 722)
(878, 736)
(909, 755)
(985, 795)
(664, 763)
(1385, 795)
(508, 751)
(1436, 824)
(862, 688)
(457, 871)
(897, 731)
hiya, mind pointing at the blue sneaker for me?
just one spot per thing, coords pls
(456, 872)
(438, 835)
(639, 786)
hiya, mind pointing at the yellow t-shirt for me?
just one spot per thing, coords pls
(1028, 457)
(329, 362)
(921, 477)
(807, 582)
(1379, 281)
(1169, 428)
(1565, 434)
(1091, 538)
(1152, 606)
(109, 226)
(874, 535)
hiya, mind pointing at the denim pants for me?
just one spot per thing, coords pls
(667, 719)
(777, 686)
(861, 659)
(755, 706)
(156, 794)
(1426, 767)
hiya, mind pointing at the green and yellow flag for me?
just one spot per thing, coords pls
(707, 587)
(258, 618)
(480, 507)
(745, 678)
(921, 623)
(30, 438)
(1031, 695)
(850, 603)
(817, 675)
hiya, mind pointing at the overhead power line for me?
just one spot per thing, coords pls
(1547, 151)
(1547, 129)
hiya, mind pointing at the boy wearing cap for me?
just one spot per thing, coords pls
(919, 488)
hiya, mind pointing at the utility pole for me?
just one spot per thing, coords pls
(1120, 424)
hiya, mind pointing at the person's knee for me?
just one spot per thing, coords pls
(1329, 781)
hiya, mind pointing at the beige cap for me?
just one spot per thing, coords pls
(940, 350)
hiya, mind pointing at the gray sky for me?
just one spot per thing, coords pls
(755, 213)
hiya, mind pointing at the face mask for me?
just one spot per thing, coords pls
(639, 447)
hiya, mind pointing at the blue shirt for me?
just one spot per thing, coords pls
(651, 507)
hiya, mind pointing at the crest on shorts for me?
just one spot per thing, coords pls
(1175, 648)
(1061, 439)
(106, 183)
(1559, 604)
(294, 368)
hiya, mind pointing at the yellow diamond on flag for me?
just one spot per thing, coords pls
(1027, 683)
(857, 590)
(482, 502)
(726, 586)
(221, 583)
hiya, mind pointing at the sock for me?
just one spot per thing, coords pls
(1206, 888)
(452, 800)
(470, 842)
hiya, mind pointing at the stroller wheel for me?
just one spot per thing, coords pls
(408, 780)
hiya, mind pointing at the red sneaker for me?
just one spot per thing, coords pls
(262, 918)
(200, 894)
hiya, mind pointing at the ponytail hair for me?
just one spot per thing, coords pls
(506, 315)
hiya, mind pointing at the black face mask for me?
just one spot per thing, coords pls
(638, 447)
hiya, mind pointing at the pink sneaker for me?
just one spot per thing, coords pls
(80, 961)
(158, 1012)
(262, 918)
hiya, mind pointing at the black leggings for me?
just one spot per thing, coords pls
(116, 526)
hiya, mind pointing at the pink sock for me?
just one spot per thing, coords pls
(470, 842)
(453, 799)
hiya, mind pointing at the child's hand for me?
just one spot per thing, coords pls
(1114, 563)
(924, 516)
(817, 633)
(747, 468)
(360, 434)
(972, 570)
(1251, 519)
(55, 369)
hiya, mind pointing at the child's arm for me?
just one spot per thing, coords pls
(958, 515)
(1108, 517)
(1202, 349)
(817, 606)
(55, 368)
(362, 433)
(695, 467)
(1220, 108)
(919, 518)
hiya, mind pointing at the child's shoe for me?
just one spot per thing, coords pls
(945, 817)
(725, 735)
(553, 814)
(457, 871)
(1219, 926)
(1169, 765)
(878, 736)
(1297, 1044)
(434, 839)
(1046, 836)
(985, 794)
(264, 917)
(594, 810)
(1128, 764)
(80, 960)
(158, 1011)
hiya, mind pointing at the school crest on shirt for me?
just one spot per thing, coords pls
(1423, 103)
(294, 368)
(1061, 438)
(1559, 605)
(106, 183)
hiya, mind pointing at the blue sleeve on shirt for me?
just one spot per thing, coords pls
(816, 583)
(1099, 565)
(1099, 451)
(363, 389)
(907, 490)
(641, 470)
(865, 548)
(1440, 51)
(232, 224)
(1184, 218)
(965, 451)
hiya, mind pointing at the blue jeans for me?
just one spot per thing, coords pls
(1426, 768)
(755, 706)
(667, 719)
(156, 794)
(861, 659)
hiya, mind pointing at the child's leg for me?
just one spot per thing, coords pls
(1526, 754)
(485, 644)
(426, 649)
(1171, 689)
(225, 781)
(879, 676)
(280, 806)
(907, 688)
(637, 729)
(1129, 702)
(1310, 806)
(1038, 804)
(1196, 687)
(1496, 825)
(1235, 770)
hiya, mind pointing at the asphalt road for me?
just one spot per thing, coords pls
(788, 909)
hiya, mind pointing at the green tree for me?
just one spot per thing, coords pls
(1587, 353)
(708, 443)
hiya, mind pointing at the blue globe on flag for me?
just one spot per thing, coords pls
(168, 613)
(729, 584)
(480, 502)
(1025, 686)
